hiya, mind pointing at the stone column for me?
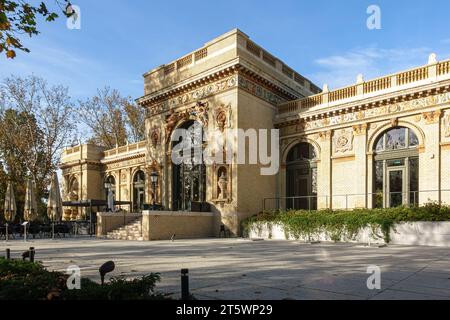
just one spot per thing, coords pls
(429, 155)
(324, 189)
(360, 167)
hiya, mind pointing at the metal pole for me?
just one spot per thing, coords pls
(90, 217)
(25, 233)
(184, 284)
(154, 195)
(32, 252)
(8, 254)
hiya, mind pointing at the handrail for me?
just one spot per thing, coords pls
(412, 198)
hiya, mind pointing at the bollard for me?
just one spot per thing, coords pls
(32, 252)
(8, 254)
(184, 284)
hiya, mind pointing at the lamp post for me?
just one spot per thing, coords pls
(154, 180)
(108, 187)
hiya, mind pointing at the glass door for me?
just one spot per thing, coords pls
(396, 187)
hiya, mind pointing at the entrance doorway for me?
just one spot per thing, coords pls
(396, 169)
(301, 178)
(139, 191)
(189, 177)
(396, 187)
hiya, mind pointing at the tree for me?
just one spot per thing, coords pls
(19, 17)
(3, 185)
(113, 119)
(36, 122)
(135, 121)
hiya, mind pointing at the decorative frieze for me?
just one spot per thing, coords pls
(213, 89)
(193, 96)
(259, 91)
(416, 104)
(127, 163)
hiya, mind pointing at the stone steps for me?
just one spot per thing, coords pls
(132, 231)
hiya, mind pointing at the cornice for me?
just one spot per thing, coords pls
(124, 158)
(239, 68)
(79, 163)
(363, 105)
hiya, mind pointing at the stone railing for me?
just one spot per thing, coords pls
(125, 149)
(443, 68)
(269, 59)
(342, 94)
(72, 150)
(393, 82)
(185, 61)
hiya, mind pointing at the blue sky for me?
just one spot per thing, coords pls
(326, 41)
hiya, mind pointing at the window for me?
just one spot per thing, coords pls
(396, 139)
(396, 168)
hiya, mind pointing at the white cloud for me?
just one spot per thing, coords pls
(341, 70)
(56, 65)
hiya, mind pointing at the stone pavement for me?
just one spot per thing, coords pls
(258, 270)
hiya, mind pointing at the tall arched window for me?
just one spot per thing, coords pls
(138, 190)
(301, 177)
(189, 177)
(396, 168)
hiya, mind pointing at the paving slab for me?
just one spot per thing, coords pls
(257, 270)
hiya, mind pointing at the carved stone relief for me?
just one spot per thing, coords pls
(222, 117)
(199, 112)
(343, 140)
(447, 124)
(155, 137)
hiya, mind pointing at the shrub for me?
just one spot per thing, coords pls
(343, 224)
(23, 280)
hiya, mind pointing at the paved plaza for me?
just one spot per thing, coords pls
(258, 270)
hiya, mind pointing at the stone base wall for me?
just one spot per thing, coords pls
(108, 221)
(408, 233)
(161, 225)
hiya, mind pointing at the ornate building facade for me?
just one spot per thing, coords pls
(378, 143)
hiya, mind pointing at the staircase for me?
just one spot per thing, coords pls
(131, 231)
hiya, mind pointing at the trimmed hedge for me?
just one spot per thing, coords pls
(23, 280)
(340, 224)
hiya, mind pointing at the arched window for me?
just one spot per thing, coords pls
(138, 190)
(301, 177)
(396, 168)
(189, 176)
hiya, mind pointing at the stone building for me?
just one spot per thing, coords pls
(378, 143)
